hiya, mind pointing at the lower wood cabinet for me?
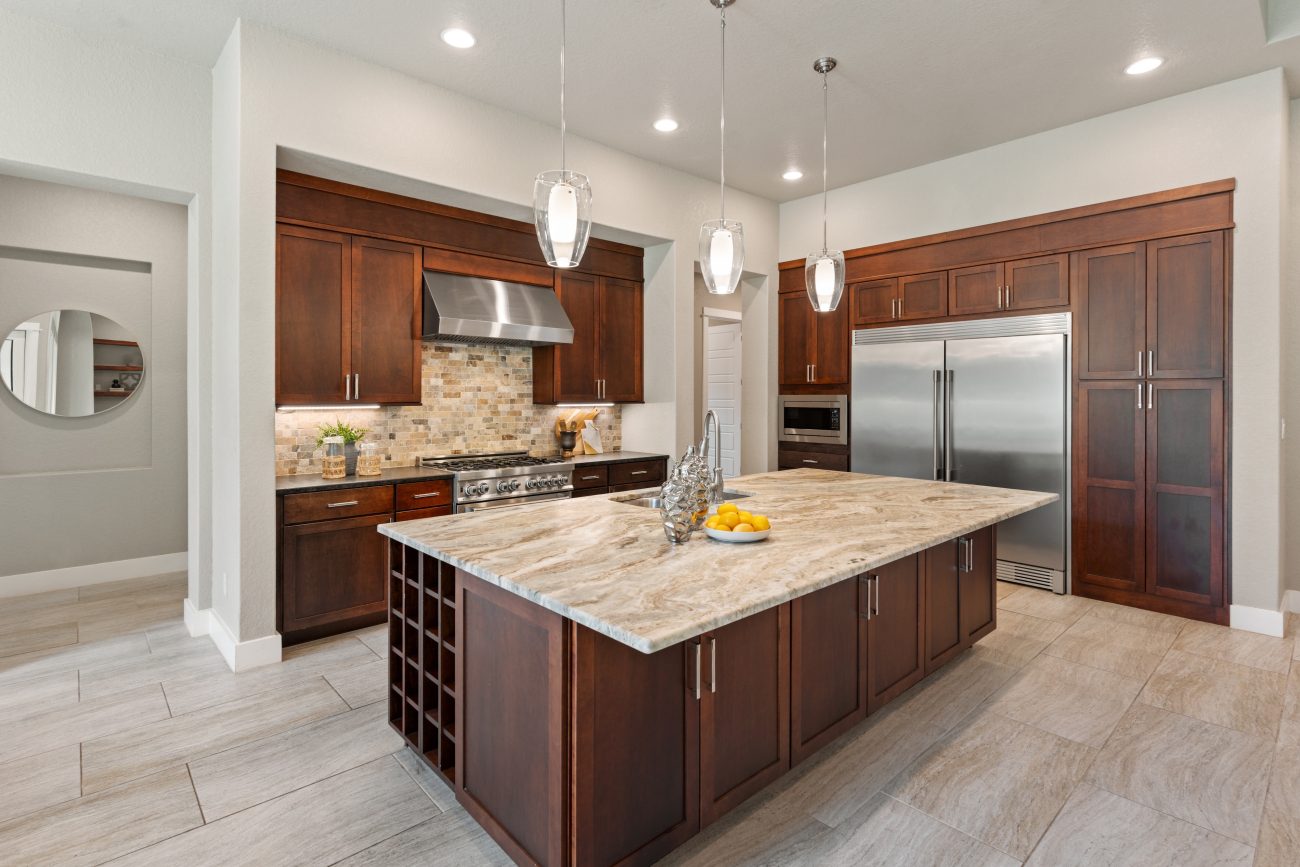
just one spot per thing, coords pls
(960, 595)
(590, 479)
(828, 665)
(896, 631)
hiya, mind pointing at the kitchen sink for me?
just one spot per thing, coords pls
(656, 502)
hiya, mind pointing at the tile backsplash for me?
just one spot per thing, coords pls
(476, 399)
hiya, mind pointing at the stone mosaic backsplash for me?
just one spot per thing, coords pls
(475, 399)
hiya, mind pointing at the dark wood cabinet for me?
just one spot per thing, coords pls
(1110, 486)
(874, 301)
(333, 572)
(945, 634)
(896, 634)
(814, 347)
(1043, 281)
(975, 289)
(347, 318)
(1110, 328)
(797, 456)
(828, 665)
(604, 362)
(591, 478)
(1185, 307)
(895, 299)
(744, 709)
(976, 559)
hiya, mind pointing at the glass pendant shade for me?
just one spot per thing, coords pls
(722, 255)
(823, 274)
(562, 213)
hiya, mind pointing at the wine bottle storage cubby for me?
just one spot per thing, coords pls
(422, 655)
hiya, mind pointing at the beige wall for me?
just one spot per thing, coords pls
(475, 399)
(1291, 360)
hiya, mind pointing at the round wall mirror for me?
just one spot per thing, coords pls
(71, 363)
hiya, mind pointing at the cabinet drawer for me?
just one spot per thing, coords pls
(590, 477)
(423, 495)
(790, 459)
(640, 472)
(347, 503)
(417, 514)
(589, 492)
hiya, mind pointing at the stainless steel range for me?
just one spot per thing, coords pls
(502, 479)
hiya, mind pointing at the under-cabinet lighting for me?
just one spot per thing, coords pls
(570, 405)
(328, 407)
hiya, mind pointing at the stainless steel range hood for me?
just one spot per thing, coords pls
(477, 310)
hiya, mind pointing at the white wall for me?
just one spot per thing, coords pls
(1291, 360)
(102, 115)
(272, 91)
(1237, 129)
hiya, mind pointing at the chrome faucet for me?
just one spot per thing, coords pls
(716, 484)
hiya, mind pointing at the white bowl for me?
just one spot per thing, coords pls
(732, 536)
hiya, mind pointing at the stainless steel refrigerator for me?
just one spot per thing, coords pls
(983, 402)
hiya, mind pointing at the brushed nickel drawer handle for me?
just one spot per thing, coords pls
(426, 496)
(590, 478)
(810, 461)
(713, 665)
(639, 472)
(341, 505)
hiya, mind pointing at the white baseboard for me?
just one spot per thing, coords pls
(95, 573)
(1259, 620)
(239, 655)
(197, 620)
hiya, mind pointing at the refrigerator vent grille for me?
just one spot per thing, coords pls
(1032, 576)
(1011, 326)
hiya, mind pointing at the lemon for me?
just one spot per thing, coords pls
(746, 517)
(731, 519)
(761, 523)
(743, 528)
(712, 523)
(727, 507)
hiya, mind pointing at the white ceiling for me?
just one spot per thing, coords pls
(919, 80)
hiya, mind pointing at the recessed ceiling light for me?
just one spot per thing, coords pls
(1145, 65)
(457, 38)
(793, 175)
(666, 124)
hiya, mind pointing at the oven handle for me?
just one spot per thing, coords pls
(517, 501)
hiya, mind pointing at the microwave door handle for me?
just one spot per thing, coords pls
(937, 473)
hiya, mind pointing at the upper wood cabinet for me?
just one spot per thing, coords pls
(1185, 307)
(1110, 332)
(896, 299)
(814, 347)
(977, 289)
(604, 362)
(1022, 284)
(347, 319)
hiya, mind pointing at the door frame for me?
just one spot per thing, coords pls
(710, 316)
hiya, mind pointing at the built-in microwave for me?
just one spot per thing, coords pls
(813, 418)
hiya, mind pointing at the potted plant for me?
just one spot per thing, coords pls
(351, 435)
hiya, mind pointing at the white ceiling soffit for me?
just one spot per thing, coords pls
(917, 81)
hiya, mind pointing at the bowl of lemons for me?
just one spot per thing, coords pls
(730, 524)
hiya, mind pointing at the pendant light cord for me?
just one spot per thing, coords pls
(825, 115)
(563, 35)
(722, 138)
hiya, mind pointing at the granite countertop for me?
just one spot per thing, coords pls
(308, 484)
(607, 565)
(619, 457)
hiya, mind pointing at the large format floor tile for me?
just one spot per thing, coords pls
(22, 698)
(1074, 701)
(1100, 828)
(1205, 774)
(765, 832)
(259, 771)
(1237, 645)
(1279, 841)
(110, 678)
(1289, 730)
(1019, 638)
(1153, 620)
(438, 791)
(995, 779)
(17, 640)
(39, 781)
(60, 726)
(1124, 648)
(43, 662)
(97, 828)
(1284, 785)
(145, 749)
(944, 698)
(320, 824)
(361, 684)
(452, 838)
(1224, 693)
(1046, 605)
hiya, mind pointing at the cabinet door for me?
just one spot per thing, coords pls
(923, 296)
(333, 571)
(386, 321)
(796, 331)
(313, 319)
(577, 366)
(745, 710)
(979, 592)
(831, 344)
(1185, 457)
(636, 762)
(977, 289)
(944, 633)
(1110, 331)
(1043, 281)
(896, 633)
(828, 673)
(622, 337)
(873, 301)
(1185, 307)
(1110, 485)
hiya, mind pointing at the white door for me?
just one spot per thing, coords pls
(723, 395)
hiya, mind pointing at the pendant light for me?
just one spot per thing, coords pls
(823, 272)
(722, 241)
(562, 199)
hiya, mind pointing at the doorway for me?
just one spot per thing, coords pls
(721, 385)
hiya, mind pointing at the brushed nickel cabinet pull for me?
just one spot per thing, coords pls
(341, 505)
(1151, 396)
(697, 670)
(590, 478)
(875, 610)
(713, 665)
(356, 386)
(426, 496)
(1139, 395)
(902, 306)
(1151, 362)
(638, 472)
(810, 461)
(347, 386)
(1139, 363)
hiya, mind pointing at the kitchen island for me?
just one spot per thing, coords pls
(596, 695)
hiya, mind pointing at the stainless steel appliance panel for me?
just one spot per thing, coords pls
(492, 505)
(813, 418)
(897, 415)
(1008, 429)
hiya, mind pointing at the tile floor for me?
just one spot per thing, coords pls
(1077, 733)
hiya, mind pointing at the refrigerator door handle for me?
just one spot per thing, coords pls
(947, 426)
(937, 475)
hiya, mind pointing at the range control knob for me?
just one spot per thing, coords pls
(503, 487)
(514, 484)
(467, 490)
(482, 488)
(530, 484)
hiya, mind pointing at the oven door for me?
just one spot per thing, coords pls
(813, 420)
(491, 505)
